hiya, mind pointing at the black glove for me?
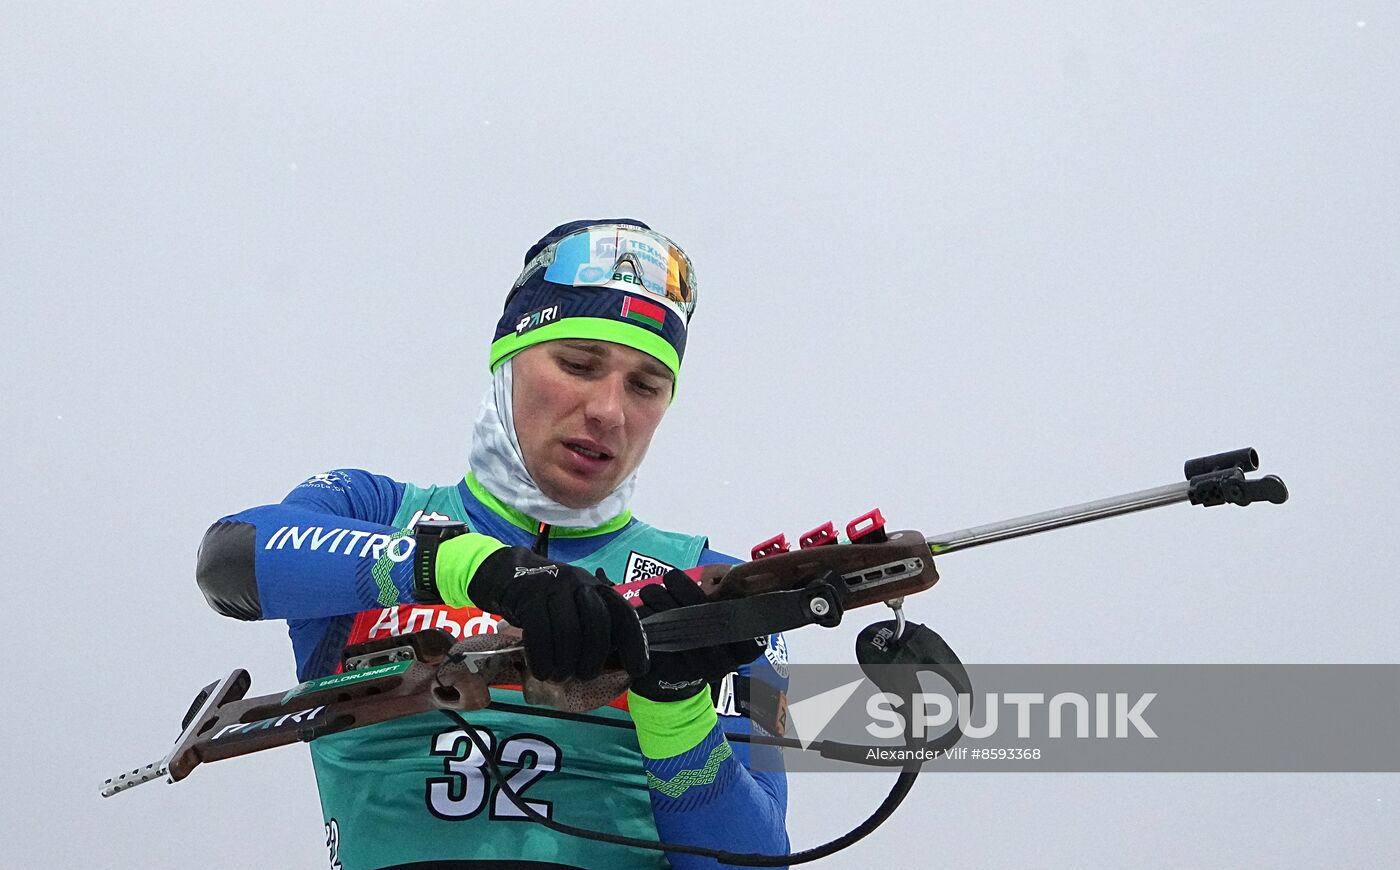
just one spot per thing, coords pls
(570, 620)
(676, 676)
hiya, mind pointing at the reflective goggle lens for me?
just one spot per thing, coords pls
(623, 257)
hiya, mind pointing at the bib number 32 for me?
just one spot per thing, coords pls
(462, 791)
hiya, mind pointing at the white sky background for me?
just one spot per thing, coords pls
(960, 261)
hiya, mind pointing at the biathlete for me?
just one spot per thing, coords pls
(584, 365)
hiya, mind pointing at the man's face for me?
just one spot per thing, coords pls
(584, 415)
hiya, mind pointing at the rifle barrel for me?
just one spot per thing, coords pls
(1059, 518)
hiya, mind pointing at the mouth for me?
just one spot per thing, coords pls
(589, 450)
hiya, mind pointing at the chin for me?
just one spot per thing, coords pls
(575, 502)
(576, 499)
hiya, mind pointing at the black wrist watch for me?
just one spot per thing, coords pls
(428, 535)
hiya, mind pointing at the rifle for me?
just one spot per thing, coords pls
(780, 589)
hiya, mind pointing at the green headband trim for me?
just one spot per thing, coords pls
(528, 523)
(596, 329)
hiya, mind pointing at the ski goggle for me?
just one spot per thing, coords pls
(623, 257)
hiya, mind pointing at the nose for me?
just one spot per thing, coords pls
(605, 401)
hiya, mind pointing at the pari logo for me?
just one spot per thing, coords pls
(537, 319)
(243, 729)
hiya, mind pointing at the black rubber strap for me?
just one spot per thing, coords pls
(428, 535)
(720, 622)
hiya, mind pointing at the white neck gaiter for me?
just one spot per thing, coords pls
(500, 467)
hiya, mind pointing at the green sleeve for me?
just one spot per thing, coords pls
(457, 561)
(669, 728)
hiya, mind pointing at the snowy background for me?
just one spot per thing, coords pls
(960, 261)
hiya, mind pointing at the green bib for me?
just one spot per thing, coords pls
(416, 789)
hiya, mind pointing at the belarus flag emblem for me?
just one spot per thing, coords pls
(645, 312)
